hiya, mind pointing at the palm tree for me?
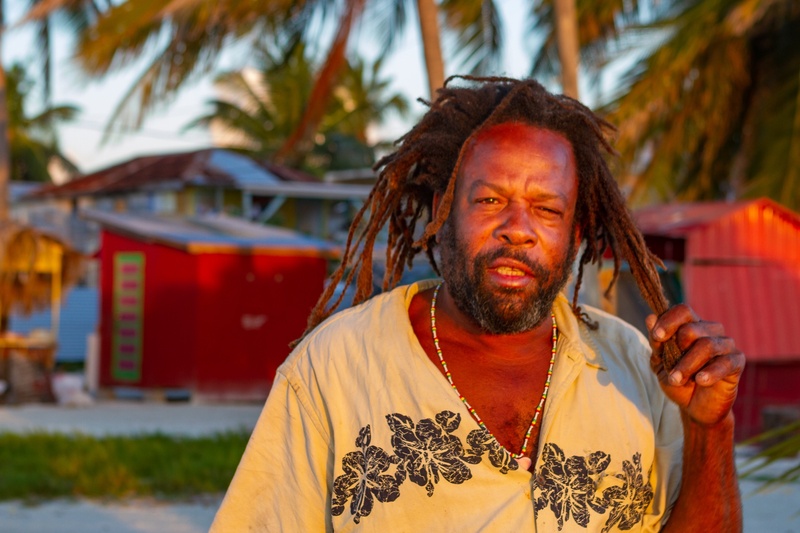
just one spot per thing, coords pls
(32, 139)
(185, 37)
(77, 14)
(261, 110)
(566, 23)
(73, 14)
(363, 100)
(715, 111)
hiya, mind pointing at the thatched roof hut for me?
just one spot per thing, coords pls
(35, 268)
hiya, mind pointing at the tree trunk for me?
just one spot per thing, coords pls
(569, 56)
(301, 139)
(5, 155)
(568, 45)
(431, 44)
(47, 60)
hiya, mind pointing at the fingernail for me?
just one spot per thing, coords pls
(702, 377)
(659, 334)
(676, 377)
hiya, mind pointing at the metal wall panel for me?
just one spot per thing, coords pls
(743, 270)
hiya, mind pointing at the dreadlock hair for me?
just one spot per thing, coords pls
(428, 159)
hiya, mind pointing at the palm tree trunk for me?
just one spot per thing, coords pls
(47, 56)
(5, 155)
(300, 139)
(569, 56)
(568, 45)
(431, 44)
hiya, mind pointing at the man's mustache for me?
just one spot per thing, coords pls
(486, 258)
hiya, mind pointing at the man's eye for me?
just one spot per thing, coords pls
(487, 200)
(550, 211)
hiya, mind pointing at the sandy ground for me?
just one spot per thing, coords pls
(776, 510)
(130, 418)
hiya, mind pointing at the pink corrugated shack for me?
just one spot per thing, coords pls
(740, 266)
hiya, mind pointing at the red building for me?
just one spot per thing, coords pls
(740, 266)
(206, 305)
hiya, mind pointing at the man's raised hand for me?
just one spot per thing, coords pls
(705, 379)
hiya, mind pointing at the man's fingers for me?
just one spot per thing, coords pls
(720, 369)
(688, 334)
(708, 360)
(650, 321)
(668, 323)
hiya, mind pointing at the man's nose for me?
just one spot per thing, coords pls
(517, 229)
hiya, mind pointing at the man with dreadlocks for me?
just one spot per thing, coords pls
(486, 401)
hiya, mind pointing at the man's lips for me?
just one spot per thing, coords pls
(510, 267)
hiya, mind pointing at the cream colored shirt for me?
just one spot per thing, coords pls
(362, 432)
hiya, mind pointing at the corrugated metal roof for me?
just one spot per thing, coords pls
(211, 167)
(681, 218)
(211, 233)
(324, 191)
(742, 269)
(677, 219)
(79, 318)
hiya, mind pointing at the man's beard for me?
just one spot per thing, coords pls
(501, 310)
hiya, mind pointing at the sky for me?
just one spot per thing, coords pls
(165, 130)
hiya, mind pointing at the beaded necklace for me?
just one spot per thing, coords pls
(463, 399)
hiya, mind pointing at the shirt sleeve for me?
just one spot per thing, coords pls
(282, 482)
(666, 474)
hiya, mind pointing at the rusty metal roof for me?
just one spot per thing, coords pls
(209, 167)
(741, 267)
(679, 218)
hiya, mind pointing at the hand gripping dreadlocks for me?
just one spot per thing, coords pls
(427, 161)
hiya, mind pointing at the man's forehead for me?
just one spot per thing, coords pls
(512, 135)
(511, 131)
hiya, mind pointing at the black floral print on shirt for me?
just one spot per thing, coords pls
(364, 479)
(480, 441)
(428, 449)
(424, 452)
(628, 502)
(568, 487)
(568, 484)
(427, 452)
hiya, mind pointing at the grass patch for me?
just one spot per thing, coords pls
(45, 465)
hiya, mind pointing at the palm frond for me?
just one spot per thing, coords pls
(688, 117)
(774, 159)
(782, 443)
(179, 61)
(51, 115)
(299, 141)
(184, 41)
(44, 9)
(478, 33)
(388, 19)
(29, 159)
(32, 140)
(600, 26)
